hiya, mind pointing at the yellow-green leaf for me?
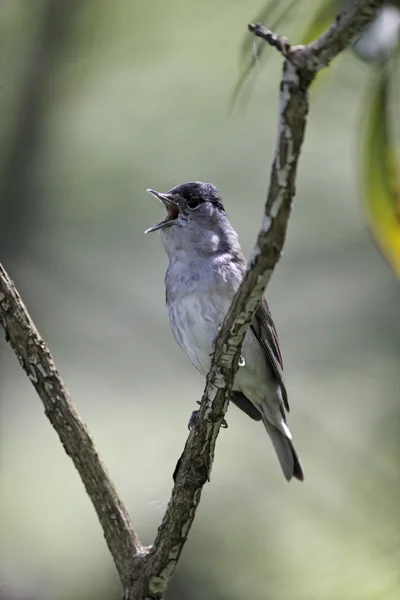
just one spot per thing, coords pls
(381, 171)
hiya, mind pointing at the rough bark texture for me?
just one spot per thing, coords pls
(146, 572)
(37, 362)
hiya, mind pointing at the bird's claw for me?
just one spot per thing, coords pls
(193, 420)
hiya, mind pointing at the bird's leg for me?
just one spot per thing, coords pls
(193, 420)
(191, 424)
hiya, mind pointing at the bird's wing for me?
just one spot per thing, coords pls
(265, 332)
(245, 405)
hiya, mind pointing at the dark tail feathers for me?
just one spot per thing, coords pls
(287, 455)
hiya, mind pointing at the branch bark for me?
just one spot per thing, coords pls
(38, 364)
(146, 572)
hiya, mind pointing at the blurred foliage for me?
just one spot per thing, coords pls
(379, 43)
(380, 172)
(132, 95)
(320, 21)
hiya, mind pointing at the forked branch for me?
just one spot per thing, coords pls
(146, 572)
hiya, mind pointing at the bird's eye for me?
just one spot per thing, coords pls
(193, 203)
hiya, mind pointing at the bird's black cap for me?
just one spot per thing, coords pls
(200, 191)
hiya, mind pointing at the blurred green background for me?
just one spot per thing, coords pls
(98, 102)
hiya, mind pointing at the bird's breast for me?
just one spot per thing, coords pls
(199, 291)
(195, 320)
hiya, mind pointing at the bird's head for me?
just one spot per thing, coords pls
(196, 220)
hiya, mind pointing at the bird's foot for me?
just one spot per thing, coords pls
(193, 420)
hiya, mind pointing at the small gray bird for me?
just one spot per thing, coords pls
(206, 267)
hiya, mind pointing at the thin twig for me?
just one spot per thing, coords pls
(319, 53)
(275, 40)
(145, 573)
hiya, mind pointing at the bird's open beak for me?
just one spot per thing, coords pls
(172, 210)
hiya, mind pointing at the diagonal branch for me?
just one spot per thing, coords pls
(318, 54)
(196, 461)
(146, 572)
(38, 364)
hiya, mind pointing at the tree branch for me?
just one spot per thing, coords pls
(38, 364)
(146, 572)
(196, 461)
(318, 54)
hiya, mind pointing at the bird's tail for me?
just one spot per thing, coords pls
(285, 451)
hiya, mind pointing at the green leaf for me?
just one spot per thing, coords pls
(381, 171)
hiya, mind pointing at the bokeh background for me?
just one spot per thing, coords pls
(98, 102)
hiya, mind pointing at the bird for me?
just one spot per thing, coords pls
(205, 268)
